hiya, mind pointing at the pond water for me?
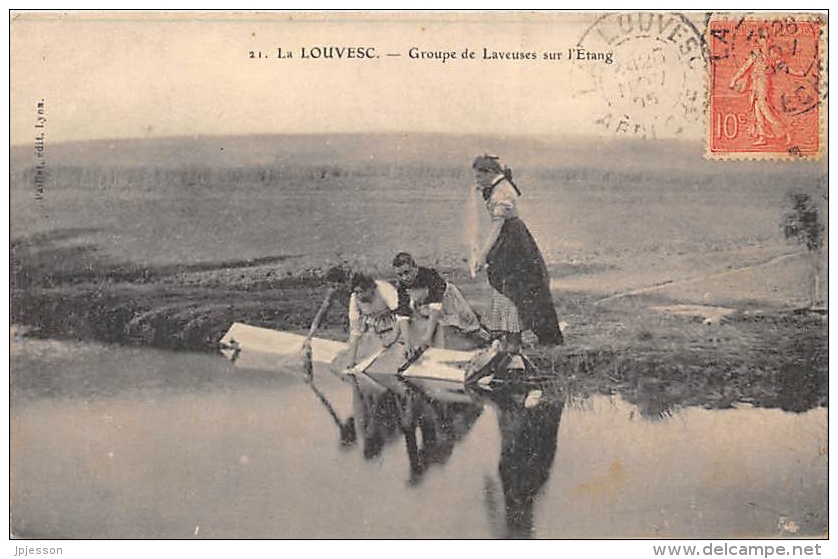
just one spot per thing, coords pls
(114, 442)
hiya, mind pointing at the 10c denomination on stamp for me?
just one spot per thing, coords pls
(765, 87)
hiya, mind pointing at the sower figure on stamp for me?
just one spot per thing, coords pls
(763, 62)
(431, 304)
(521, 298)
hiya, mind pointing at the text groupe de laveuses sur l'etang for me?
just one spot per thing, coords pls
(417, 53)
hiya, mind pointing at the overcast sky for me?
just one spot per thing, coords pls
(142, 75)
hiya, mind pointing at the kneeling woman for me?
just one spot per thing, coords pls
(432, 305)
(516, 271)
(372, 308)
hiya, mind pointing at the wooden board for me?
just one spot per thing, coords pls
(435, 363)
(275, 342)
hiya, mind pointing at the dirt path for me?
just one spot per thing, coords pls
(700, 278)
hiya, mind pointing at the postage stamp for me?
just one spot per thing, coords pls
(765, 90)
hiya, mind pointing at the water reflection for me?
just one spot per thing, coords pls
(654, 399)
(433, 426)
(431, 420)
(528, 423)
(346, 428)
(117, 442)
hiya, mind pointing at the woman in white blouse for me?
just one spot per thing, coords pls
(372, 308)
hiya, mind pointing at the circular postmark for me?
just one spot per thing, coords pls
(655, 85)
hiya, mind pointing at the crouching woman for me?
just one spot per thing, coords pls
(372, 309)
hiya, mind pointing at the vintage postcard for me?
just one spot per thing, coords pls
(418, 275)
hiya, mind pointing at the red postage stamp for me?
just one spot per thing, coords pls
(765, 87)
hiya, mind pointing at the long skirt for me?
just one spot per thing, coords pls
(516, 269)
(503, 314)
(455, 327)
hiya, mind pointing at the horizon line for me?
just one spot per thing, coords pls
(556, 136)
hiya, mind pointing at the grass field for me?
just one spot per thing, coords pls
(167, 242)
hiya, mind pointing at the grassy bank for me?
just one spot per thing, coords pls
(768, 357)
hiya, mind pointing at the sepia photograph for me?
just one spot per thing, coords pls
(418, 275)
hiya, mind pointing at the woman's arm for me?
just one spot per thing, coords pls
(434, 317)
(352, 349)
(355, 329)
(403, 315)
(321, 313)
(437, 286)
(497, 225)
(395, 303)
(404, 332)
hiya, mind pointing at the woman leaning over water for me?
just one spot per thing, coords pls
(516, 271)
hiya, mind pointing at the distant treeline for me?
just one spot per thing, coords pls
(732, 177)
(327, 176)
(104, 177)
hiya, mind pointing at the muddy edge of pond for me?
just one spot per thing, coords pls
(773, 358)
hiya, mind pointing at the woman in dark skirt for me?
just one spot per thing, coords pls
(521, 297)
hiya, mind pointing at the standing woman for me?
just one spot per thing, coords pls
(516, 271)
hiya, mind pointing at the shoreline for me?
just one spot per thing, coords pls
(775, 357)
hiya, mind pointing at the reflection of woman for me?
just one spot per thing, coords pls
(441, 424)
(516, 271)
(528, 447)
(431, 424)
(376, 413)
